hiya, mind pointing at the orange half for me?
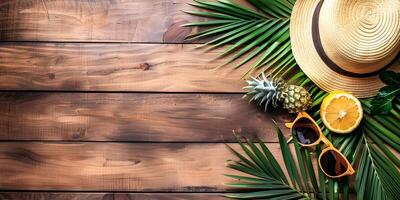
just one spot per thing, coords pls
(341, 112)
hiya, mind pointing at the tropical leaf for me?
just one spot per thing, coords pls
(259, 39)
(376, 129)
(259, 36)
(382, 103)
(390, 78)
(377, 177)
(265, 177)
(381, 130)
(366, 145)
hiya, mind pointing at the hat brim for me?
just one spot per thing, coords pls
(315, 68)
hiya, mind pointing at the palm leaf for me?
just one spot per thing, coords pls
(376, 129)
(351, 145)
(377, 178)
(265, 177)
(261, 42)
(260, 35)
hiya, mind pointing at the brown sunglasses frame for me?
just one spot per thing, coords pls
(329, 145)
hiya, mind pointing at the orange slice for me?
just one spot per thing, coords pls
(341, 112)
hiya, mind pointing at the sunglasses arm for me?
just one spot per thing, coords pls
(325, 140)
(289, 125)
(299, 115)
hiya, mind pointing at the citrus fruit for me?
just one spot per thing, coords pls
(341, 112)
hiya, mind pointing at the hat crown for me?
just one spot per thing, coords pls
(360, 36)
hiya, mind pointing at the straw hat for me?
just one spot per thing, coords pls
(344, 44)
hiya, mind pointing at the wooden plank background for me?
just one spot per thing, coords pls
(108, 166)
(124, 67)
(103, 99)
(136, 117)
(96, 20)
(109, 196)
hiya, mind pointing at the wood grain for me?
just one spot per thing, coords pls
(107, 196)
(154, 167)
(169, 196)
(115, 196)
(100, 20)
(190, 196)
(114, 67)
(55, 196)
(166, 138)
(133, 117)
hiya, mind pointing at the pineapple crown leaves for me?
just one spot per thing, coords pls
(264, 91)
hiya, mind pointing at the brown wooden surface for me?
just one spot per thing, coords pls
(108, 196)
(133, 117)
(55, 196)
(99, 20)
(155, 21)
(152, 196)
(98, 97)
(154, 167)
(115, 196)
(127, 141)
(114, 67)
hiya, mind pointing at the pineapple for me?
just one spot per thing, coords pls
(294, 98)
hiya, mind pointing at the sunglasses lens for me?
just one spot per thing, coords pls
(333, 163)
(305, 131)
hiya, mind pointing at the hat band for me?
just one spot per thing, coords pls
(320, 50)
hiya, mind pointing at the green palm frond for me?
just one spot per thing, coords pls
(259, 36)
(266, 179)
(381, 162)
(379, 130)
(378, 178)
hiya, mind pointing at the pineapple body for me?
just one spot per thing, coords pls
(295, 99)
(265, 91)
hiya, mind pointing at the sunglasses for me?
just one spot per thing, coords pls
(307, 132)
